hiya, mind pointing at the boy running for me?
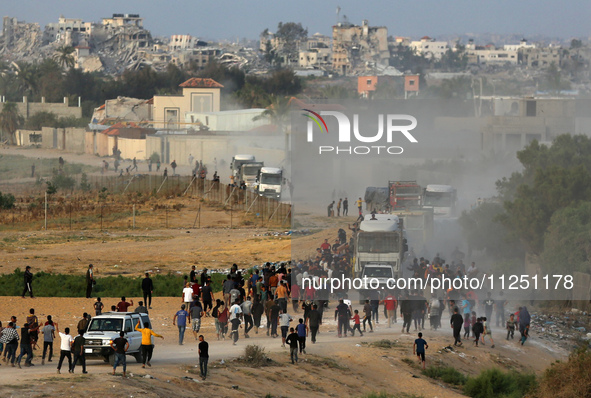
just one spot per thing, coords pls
(419, 348)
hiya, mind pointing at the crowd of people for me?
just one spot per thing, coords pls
(273, 299)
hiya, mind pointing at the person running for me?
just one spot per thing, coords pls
(302, 330)
(292, 340)
(367, 316)
(203, 348)
(65, 348)
(467, 325)
(356, 323)
(235, 317)
(345, 207)
(456, 323)
(147, 347)
(120, 345)
(477, 329)
(48, 337)
(390, 305)
(182, 316)
(487, 332)
(10, 339)
(360, 205)
(26, 347)
(419, 347)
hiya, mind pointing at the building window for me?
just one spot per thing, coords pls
(411, 82)
(368, 81)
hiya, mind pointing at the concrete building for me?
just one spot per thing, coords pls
(315, 58)
(517, 47)
(200, 56)
(67, 31)
(356, 47)
(199, 95)
(518, 121)
(429, 47)
(492, 56)
(184, 42)
(124, 20)
(534, 57)
(27, 109)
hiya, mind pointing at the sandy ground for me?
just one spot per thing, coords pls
(332, 367)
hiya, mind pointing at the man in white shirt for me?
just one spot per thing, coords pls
(187, 295)
(235, 315)
(284, 320)
(65, 348)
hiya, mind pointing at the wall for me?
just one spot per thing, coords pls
(238, 120)
(23, 137)
(131, 148)
(27, 109)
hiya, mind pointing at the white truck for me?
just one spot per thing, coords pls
(269, 182)
(440, 198)
(236, 165)
(105, 328)
(380, 241)
(249, 173)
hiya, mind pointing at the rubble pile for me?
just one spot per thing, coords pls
(562, 328)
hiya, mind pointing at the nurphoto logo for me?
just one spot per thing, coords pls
(345, 128)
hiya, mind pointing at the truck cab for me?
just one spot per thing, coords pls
(249, 173)
(440, 198)
(269, 182)
(237, 162)
(105, 328)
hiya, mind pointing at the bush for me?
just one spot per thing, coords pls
(155, 157)
(47, 284)
(255, 356)
(447, 374)
(493, 383)
(567, 379)
(6, 201)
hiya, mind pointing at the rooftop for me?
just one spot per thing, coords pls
(196, 82)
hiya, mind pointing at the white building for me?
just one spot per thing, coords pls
(183, 42)
(429, 47)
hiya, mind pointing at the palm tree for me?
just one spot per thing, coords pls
(9, 120)
(64, 57)
(28, 76)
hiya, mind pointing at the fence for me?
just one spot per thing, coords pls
(148, 201)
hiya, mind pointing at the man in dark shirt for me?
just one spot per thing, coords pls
(147, 288)
(123, 305)
(25, 347)
(274, 318)
(89, 280)
(343, 314)
(419, 348)
(456, 322)
(28, 282)
(193, 275)
(120, 345)
(78, 351)
(83, 323)
(207, 297)
(314, 318)
(292, 340)
(203, 356)
(141, 308)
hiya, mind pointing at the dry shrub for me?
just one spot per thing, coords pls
(567, 379)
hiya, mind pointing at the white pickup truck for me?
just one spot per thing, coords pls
(105, 328)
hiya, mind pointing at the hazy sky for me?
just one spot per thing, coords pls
(229, 19)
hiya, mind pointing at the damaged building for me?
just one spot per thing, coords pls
(356, 47)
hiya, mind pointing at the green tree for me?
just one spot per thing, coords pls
(338, 91)
(553, 80)
(9, 121)
(41, 119)
(483, 231)
(289, 35)
(567, 242)
(64, 56)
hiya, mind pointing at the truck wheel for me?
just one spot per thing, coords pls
(138, 357)
(112, 359)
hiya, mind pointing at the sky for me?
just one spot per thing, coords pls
(237, 19)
